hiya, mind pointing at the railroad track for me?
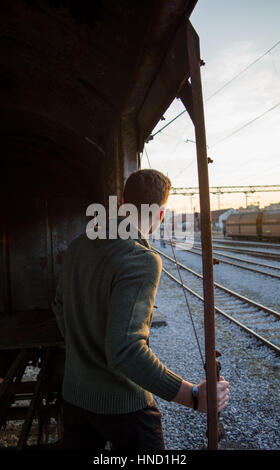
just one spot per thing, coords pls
(258, 254)
(257, 320)
(235, 261)
(253, 244)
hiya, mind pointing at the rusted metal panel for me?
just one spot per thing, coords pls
(114, 160)
(155, 79)
(30, 329)
(129, 146)
(68, 216)
(173, 72)
(206, 234)
(70, 75)
(72, 82)
(28, 265)
(72, 65)
(162, 23)
(248, 224)
(34, 238)
(5, 277)
(270, 224)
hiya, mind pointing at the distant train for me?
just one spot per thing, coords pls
(257, 225)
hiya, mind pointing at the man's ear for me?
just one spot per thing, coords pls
(122, 200)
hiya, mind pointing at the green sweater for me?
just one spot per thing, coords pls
(104, 305)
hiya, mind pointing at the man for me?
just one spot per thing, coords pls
(104, 305)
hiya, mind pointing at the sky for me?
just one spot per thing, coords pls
(232, 35)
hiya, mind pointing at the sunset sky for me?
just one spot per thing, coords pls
(232, 35)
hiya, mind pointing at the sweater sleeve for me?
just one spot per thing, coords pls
(130, 313)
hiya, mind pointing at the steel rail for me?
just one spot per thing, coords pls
(257, 254)
(255, 263)
(251, 332)
(254, 244)
(225, 289)
(229, 317)
(247, 268)
(270, 266)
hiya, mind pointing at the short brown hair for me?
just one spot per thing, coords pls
(146, 186)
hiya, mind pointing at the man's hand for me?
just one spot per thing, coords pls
(222, 395)
(184, 395)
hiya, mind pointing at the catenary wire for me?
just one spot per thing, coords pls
(246, 124)
(222, 87)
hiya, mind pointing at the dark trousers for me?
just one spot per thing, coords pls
(84, 430)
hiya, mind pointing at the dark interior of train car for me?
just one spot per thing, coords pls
(82, 86)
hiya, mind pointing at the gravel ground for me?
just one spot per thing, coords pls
(251, 418)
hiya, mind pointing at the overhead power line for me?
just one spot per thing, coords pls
(242, 71)
(147, 156)
(231, 134)
(222, 87)
(190, 191)
(170, 122)
(246, 125)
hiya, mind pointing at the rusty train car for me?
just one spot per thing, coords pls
(261, 225)
(83, 84)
